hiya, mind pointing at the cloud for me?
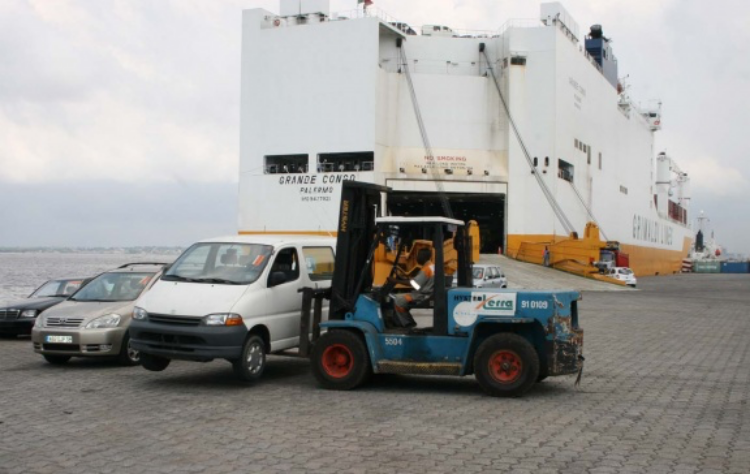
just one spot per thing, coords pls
(711, 175)
(144, 91)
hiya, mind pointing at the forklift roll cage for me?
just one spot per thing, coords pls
(362, 229)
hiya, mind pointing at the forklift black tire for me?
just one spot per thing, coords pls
(506, 365)
(249, 367)
(154, 363)
(340, 361)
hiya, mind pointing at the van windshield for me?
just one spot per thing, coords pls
(222, 263)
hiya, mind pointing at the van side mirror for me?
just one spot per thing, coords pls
(277, 278)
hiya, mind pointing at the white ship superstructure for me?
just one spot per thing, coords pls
(326, 98)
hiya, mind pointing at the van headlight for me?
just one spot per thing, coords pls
(106, 321)
(223, 319)
(29, 313)
(39, 322)
(139, 313)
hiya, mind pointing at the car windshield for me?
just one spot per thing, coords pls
(114, 286)
(478, 272)
(57, 288)
(223, 263)
(626, 271)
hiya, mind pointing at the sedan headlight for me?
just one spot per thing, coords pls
(40, 321)
(29, 313)
(139, 313)
(223, 319)
(106, 321)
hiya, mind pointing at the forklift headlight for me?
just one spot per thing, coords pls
(415, 285)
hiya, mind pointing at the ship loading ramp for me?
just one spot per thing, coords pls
(523, 275)
(573, 255)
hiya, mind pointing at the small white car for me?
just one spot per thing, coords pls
(488, 276)
(623, 274)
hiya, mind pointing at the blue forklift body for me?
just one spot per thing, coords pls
(547, 319)
(508, 339)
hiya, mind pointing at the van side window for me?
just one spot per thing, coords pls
(286, 262)
(319, 262)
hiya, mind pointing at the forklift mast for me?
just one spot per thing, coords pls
(361, 203)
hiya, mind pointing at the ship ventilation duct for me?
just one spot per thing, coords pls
(600, 49)
(596, 32)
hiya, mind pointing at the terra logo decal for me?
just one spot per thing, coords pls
(496, 303)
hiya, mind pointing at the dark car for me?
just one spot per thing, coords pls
(18, 317)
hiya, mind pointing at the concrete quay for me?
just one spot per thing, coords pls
(665, 390)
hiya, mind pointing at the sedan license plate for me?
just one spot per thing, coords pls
(60, 339)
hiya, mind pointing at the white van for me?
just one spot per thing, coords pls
(235, 298)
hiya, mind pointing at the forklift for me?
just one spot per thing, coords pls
(508, 339)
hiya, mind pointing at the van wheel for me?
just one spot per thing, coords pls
(154, 363)
(128, 356)
(249, 367)
(56, 360)
(340, 361)
(506, 365)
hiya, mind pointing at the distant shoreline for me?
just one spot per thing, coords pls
(155, 250)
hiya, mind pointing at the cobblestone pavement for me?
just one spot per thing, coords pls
(665, 389)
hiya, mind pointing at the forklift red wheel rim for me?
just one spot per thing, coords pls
(337, 361)
(505, 366)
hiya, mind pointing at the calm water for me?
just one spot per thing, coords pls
(22, 273)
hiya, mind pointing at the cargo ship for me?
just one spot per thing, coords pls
(526, 129)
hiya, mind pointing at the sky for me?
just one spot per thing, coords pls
(119, 119)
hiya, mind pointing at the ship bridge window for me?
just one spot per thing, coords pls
(518, 61)
(346, 162)
(285, 164)
(564, 170)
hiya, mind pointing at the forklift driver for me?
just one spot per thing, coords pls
(423, 285)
